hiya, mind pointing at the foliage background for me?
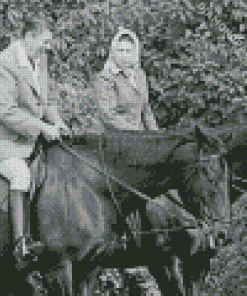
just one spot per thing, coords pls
(192, 68)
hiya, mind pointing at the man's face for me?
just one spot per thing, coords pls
(39, 42)
(124, 54)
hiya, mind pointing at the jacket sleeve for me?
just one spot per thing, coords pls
(51, 110)
(106, 98)
(11, 114)
(50, 91)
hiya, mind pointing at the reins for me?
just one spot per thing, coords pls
(110, 177)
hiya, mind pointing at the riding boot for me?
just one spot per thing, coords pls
(26, 215)
(67, 266)
(25, 249)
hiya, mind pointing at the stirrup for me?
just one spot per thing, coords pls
(25, 251)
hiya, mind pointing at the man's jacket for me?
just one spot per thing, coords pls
(23, 103)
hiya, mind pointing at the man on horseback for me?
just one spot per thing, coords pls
(25, 113)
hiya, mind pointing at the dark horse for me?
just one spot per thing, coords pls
(78, 217)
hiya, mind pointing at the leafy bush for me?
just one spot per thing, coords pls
(191, 67)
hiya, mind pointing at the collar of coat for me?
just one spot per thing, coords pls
(111, 68)
(111, 71)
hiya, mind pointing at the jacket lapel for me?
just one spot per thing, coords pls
(42, 78)
(29, 91)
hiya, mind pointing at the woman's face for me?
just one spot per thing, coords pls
(125, 54)
(36, 43)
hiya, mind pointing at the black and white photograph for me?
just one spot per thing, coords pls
(123, 158)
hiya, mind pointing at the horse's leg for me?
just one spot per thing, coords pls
(66, 264)
(178, 273)
(162, 273)
(90, 284)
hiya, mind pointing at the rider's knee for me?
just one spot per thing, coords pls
(17, 172)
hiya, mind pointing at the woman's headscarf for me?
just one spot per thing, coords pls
(115, 43)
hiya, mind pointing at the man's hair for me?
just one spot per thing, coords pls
(126, 37)
(34, 25)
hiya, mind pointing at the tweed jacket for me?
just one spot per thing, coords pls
(21, 109)
(123, 102)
